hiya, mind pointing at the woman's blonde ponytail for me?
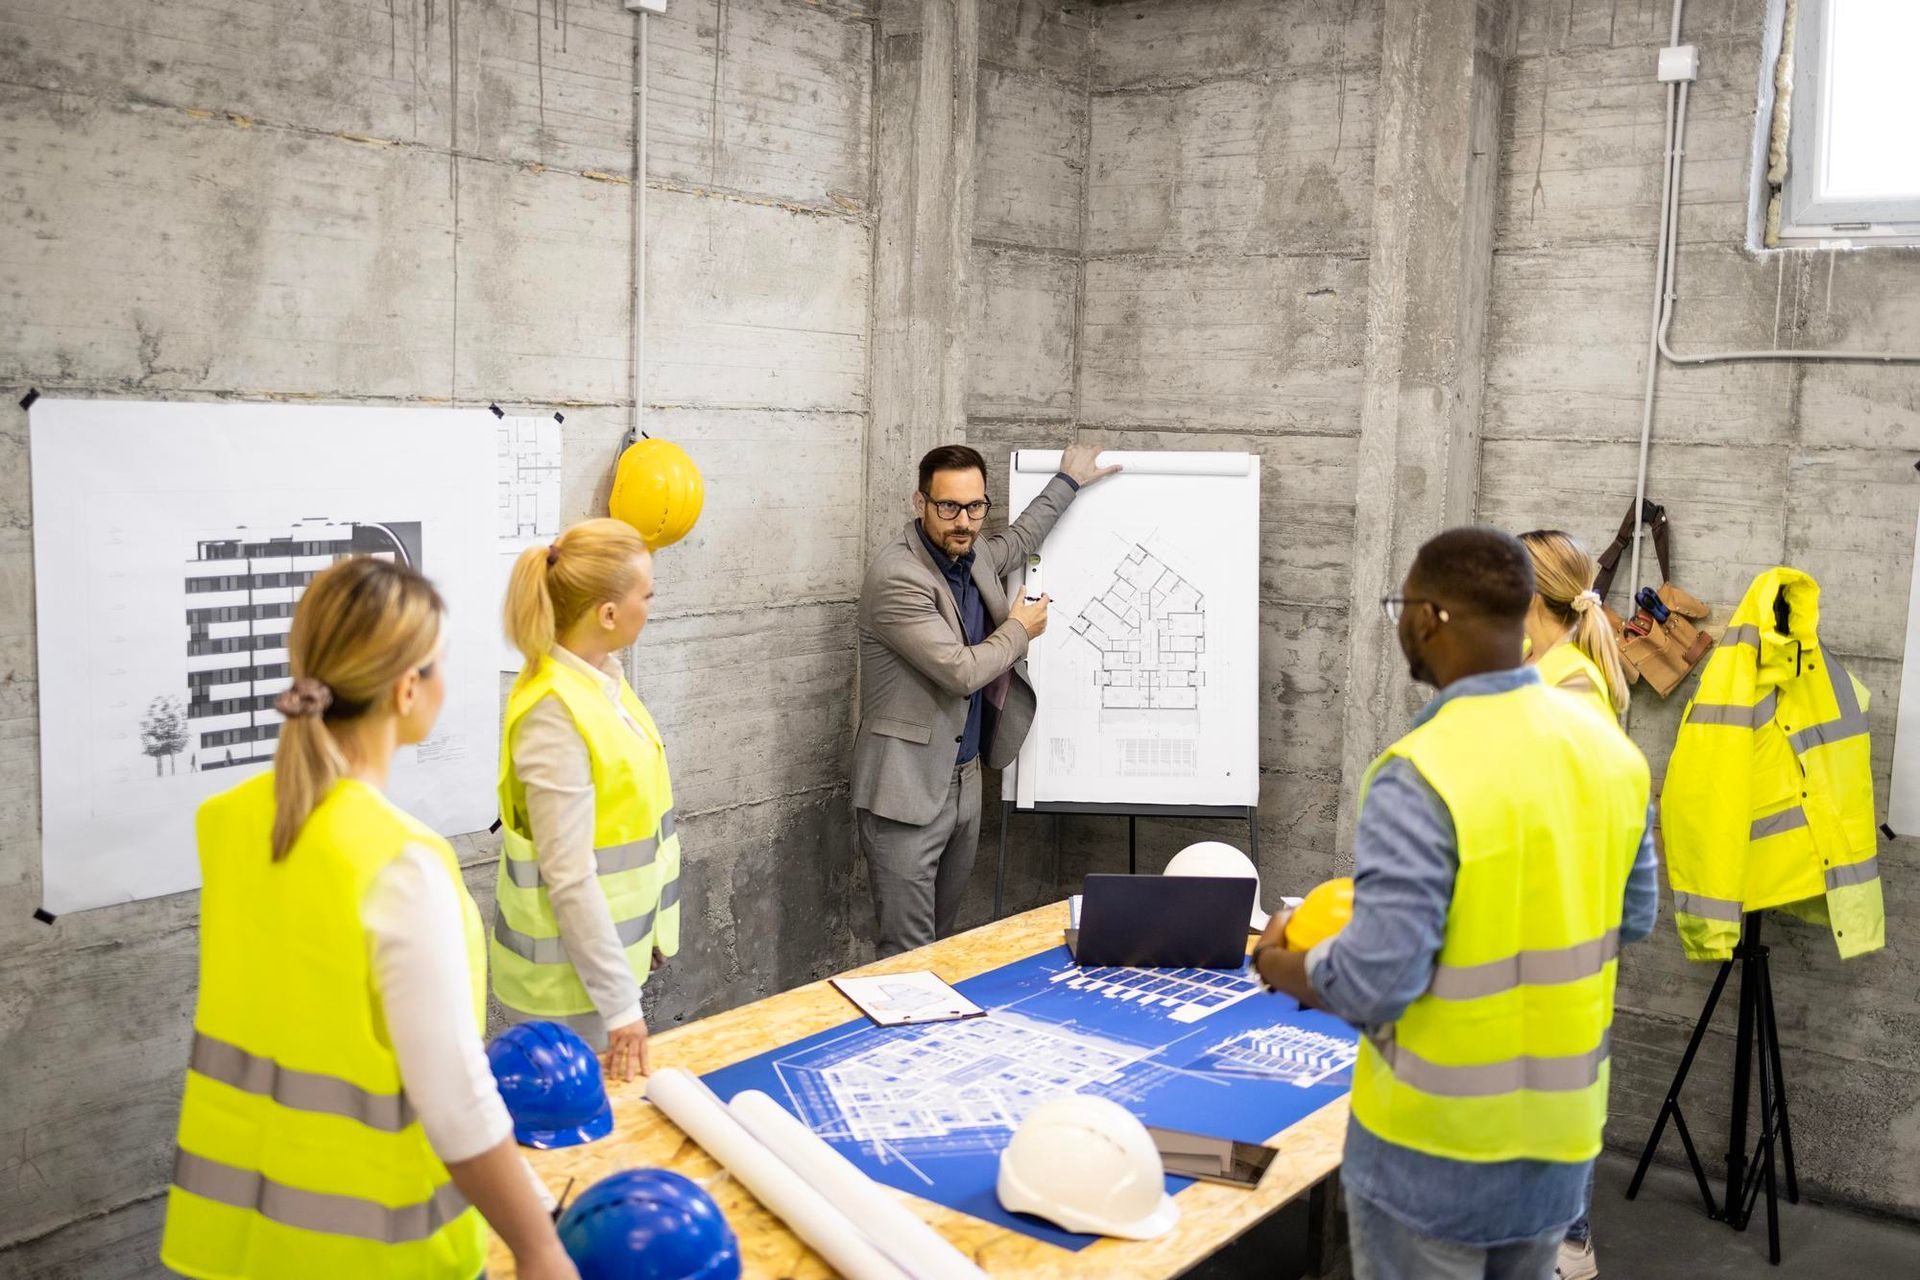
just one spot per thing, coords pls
(529, 615)
(592, 562)
(361, 625)
(1564, 573)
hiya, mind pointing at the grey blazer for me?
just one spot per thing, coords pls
(917, 672)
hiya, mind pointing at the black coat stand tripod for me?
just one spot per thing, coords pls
(1757, 1053)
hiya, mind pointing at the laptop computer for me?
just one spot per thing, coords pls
(1162, 922)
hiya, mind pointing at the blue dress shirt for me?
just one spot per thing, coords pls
(1405, 859)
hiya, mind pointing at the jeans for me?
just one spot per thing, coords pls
(1582, 1230)
(1385, 1249)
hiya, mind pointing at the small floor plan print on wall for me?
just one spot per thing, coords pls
(1150, 629)
(172, 543)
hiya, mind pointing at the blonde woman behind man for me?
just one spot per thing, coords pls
(340, 1118)
(1574, 649)
(1572, 645)
(588, 902)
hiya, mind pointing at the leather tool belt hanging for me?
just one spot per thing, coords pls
(1660, 643)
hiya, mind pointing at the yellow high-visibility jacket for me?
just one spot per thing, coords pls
(1768, 800)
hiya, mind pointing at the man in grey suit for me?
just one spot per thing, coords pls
(942, 683)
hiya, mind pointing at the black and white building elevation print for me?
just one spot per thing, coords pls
(240, 593)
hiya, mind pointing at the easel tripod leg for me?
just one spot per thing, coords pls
(1671, 1107)
(1000, 876)
(1779, 1084)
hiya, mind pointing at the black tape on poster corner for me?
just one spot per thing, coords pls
(43, 915)
(559, 417)
(33, 393)
(495, 828)
(1887, 831)
(498, 412)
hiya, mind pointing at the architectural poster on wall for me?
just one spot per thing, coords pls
(171, 544)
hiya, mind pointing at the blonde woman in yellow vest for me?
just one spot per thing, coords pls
(340, 1118)
(1574, 649)
(1568, 637)
(588, 899)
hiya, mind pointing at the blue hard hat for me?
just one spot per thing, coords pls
(649, 1224)
(551, 1083)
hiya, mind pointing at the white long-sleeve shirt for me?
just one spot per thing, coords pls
(556, 770)
(419, 953)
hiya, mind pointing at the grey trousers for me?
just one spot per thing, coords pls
(1384, 1249)
(919, 874)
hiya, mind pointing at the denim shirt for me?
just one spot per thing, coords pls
(1406, 856)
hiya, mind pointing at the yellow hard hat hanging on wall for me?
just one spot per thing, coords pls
(657, 490)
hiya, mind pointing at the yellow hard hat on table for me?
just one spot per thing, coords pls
(658, 490)
(1321, 914)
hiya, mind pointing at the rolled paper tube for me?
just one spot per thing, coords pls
(923, 1252)
(808, 1214)
(1145, 464)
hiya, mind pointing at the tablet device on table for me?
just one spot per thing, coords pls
(1163, 922)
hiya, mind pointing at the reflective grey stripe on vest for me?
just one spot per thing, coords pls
(1854, 873)
(670, 894)
(1850, 723)
(1543, 968)
(611, 860)
(1736, 716)
(1745, 633)
(1488, 1079)
(317, 1210)
(1694, 904)
(299, 1090)
(553, 950)
(1776, 823)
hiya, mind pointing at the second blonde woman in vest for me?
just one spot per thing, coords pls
(1571, 643)
(340, 1117)
(589, 882)
(1574, 649)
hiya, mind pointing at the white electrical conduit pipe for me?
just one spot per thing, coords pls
(1666, 255)
(808, 1213)
(639, 220)
(918, 1248)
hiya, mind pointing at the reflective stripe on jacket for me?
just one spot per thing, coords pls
(299, 1153)
(1506, 1054)
(1768, 799)
(635, 845)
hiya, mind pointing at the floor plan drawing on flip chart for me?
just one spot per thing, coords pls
(1148, 673)
(928, 1108)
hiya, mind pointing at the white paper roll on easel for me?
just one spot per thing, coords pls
(1155, 463)
(918, 1248)
(829, 1232)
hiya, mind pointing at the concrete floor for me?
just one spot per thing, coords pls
(1666, 1233)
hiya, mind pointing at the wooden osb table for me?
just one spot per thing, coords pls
(1210, 1215)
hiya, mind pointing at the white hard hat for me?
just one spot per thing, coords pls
(1085, 1164)
(1212, 858)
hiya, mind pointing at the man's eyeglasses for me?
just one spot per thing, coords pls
(951, 510)
(1395, 606)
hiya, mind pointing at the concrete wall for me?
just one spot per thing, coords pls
(1228, 223)
(1803, 464)
(429, 203)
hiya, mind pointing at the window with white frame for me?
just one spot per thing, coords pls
(1844, 132)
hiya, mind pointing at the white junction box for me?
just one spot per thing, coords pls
(1677, 62)
(644, 6)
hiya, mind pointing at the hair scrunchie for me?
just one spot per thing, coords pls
(1586, 600)
(304, 697)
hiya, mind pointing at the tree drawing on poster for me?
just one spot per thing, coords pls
(172, 544)
(163, 732)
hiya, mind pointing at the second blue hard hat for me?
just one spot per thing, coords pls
(649, 1224)
(550, 1080)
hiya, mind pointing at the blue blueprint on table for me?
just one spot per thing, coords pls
(928, 1108)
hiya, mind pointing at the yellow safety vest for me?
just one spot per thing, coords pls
(1505, 1056)
(1768, 800)
(634, 840)
(1568, 661)
(299, 1153)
